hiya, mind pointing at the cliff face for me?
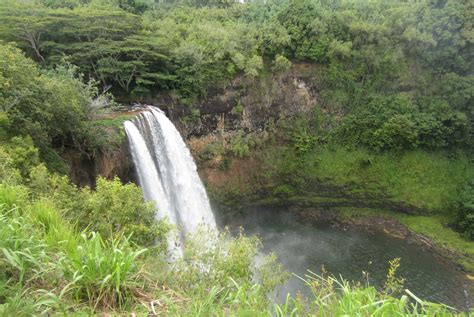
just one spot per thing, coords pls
(109, 164)
(245, 106)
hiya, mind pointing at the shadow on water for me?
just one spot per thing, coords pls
(301, 246)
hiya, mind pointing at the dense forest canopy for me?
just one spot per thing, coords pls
(371, 55)
(394, 77)
(422, 49)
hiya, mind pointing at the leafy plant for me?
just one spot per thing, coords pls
(302, 140)
(114, 209)
(464, 211)
(281, 64)
(104, 273)
(393, 284)
(239, 144)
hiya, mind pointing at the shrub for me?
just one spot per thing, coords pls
(23, 154)
(464, 209)
(211, 150)
(283, 191)
(115, 209)
(112, 209)
(395, 122)
(238, 109)
(193, 117)
(281, 64)
(239, 145)
(302, 140)
(399, 132)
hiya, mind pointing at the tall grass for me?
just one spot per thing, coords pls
(47, 267)
(105, 274)
(56, 231)
(337, 297)
(11, 196)
(44, 258)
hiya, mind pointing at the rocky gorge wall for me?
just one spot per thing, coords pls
(245, 106)
(84, 169)
(214, 125)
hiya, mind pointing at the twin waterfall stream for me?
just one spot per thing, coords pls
(168, 175)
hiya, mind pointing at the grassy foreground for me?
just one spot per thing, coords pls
(49, 267)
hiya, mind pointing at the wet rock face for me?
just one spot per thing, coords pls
(84, 170)
(116, 163)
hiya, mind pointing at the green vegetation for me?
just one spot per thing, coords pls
(396, 123)
(53, 108)
(50, 267)
(419, 51)
(426, 180)
(393, 123)
(339, 298)
(104, 134)
(49, 106)
(464, 207)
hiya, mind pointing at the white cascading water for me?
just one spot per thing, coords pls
(167, 173)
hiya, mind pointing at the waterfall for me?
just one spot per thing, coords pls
(167, 173)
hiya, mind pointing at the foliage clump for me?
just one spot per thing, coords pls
(112, 209)
(395, 123)
(50, 265)
(464, 211)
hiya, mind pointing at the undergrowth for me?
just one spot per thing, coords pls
(48, 266)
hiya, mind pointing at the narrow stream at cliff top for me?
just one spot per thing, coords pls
(301, 246)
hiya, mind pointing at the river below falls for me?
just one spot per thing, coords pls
(302, 246)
